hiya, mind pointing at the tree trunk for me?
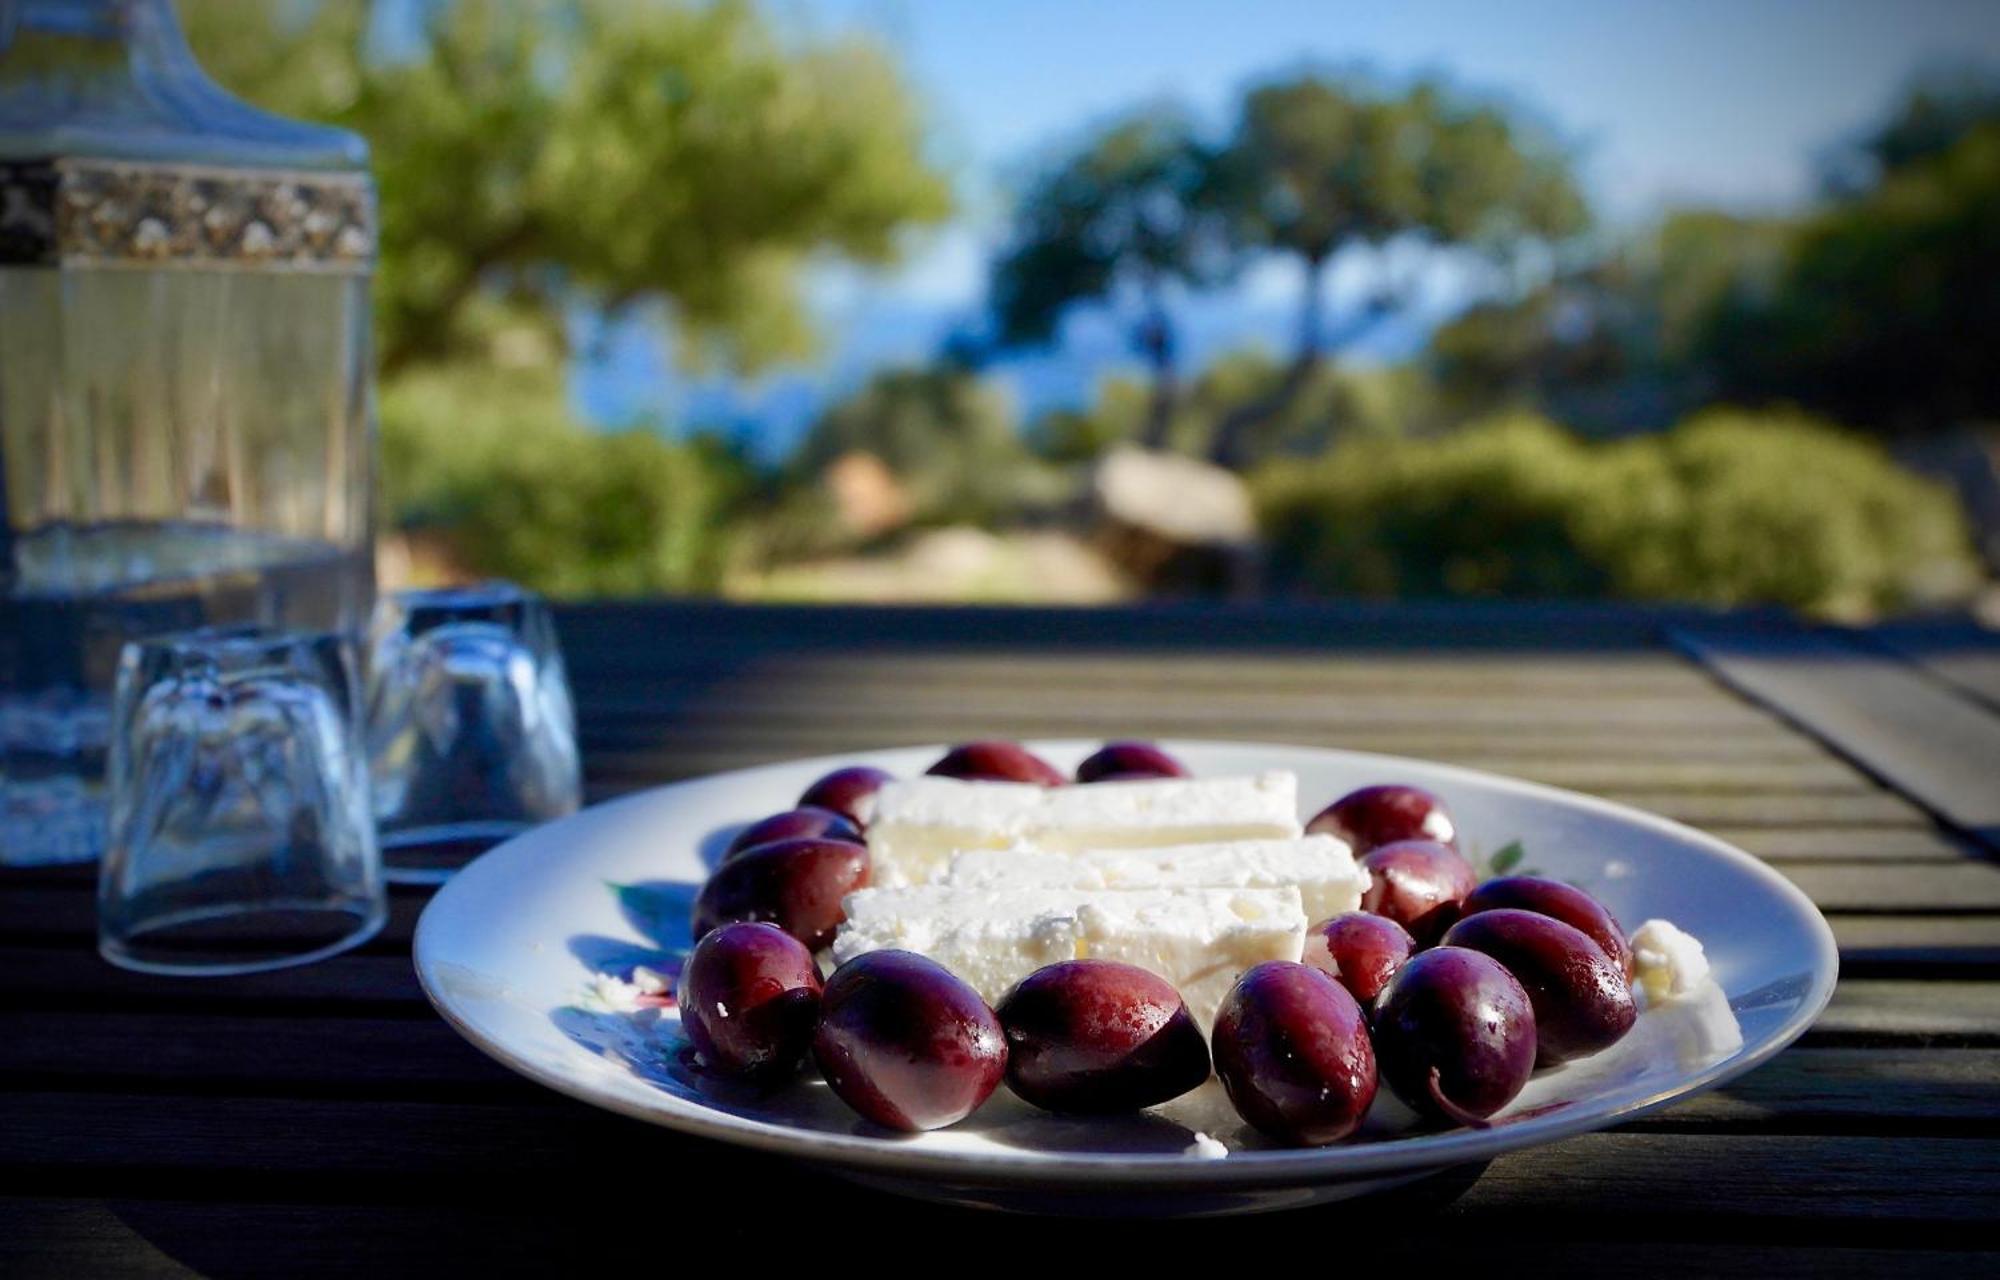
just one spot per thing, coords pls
(1155, 340)
(1227, 446)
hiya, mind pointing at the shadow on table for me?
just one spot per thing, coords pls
(759, 1208)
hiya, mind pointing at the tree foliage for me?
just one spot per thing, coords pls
(1875, 308)
(1128, 217)
(1727, 509)
(489, 461)
(1317, 165)
(553, 151)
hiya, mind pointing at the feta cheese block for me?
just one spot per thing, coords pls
(916, 824)
(1321, 867)
(1200, 940)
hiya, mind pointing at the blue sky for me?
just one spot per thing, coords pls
(1670, 102)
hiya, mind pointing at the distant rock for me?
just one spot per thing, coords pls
(1175, 523)
(867, 495)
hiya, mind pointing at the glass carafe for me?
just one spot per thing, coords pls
(185, 409)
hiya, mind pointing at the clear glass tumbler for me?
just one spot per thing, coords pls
(471, 733)
(240, 831)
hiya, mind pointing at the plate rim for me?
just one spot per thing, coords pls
(888, 1153)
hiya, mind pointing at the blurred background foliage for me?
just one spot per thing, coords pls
(1726, 508)
(1622, 415)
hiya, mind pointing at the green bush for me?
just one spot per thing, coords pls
(1728, 508)
(492, 461)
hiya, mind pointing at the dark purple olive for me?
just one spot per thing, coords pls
(1375, 816)
(1099, 1036)
(1582, 1000)
(1293, 1052)
(847, 791)
(907, 1043)
(807, 820)
(1359, 951)
(795, 884)
(749, 998)
(1565, 902)
(1419, 884)
(997, 762)
(1128, 762)
(1455, 1034)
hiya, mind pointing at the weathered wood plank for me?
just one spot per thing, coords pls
(534, 1232)
(63, 915)
(1846, 844)
(73, 977)
(776, 703)
(1943, 1092)
(1929, 886)
(1935, 1012)
(1928, 946)
(410, 1148)
(1959, 651)
(1929, 742)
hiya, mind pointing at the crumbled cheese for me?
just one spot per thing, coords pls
(611, 994)
(1668, 962)
(651, 982)
(1205, 1148)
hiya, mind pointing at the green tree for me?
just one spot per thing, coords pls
(1887, 305)
(1727, 508)
(1126, 218)
(1317, 165)
(543, 152)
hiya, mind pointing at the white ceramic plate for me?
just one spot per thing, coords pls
(508, 952)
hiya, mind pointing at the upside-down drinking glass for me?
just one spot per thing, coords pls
(471, 733)
(240, 832)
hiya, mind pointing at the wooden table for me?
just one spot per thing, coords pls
(324, 1121)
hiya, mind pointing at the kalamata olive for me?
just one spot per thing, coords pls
(795, 884)
(1359, 951)
(806, 820)
(1293, 1052)
(1565, 902)
(997, 762)
(1099, 1036)
(1127, 762)
(749, 998)
(1419, 884)
(847, 791)
(1375, 816)
(907, 1043)
(1455, 1034)
(1582, 1000)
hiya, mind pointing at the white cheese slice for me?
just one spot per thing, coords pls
(918, 823)
(1320, 866)
(1200, 940)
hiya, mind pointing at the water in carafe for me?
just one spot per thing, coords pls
(184, 383)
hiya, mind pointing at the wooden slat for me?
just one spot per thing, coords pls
(61, 915)
(1958, 651)
(1935, 1012)
(1845, 844)
(74, 977)
(1930, 946)
(542, 1231)
(1929, 742)
(1959, 887)
(410, 1148)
